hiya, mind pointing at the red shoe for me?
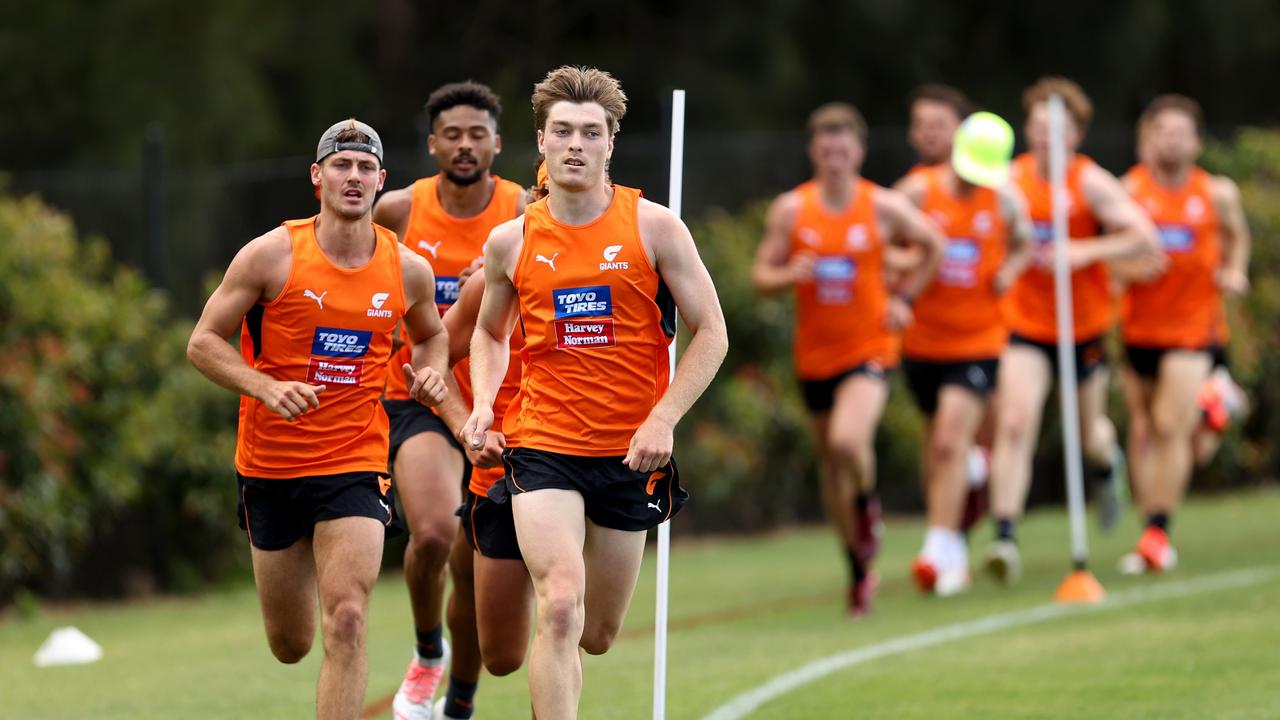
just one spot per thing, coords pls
(1154, 548)
(1212, 407)
(861, 593)
(925, 574)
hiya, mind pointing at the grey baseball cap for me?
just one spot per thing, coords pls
(329, 141)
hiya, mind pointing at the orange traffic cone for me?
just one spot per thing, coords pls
(1080, 587)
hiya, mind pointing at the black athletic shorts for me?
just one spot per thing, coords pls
(926, 378)
(1219, 355)
(615, 496)
(820, 395)
(278, 513)
(410, 417)
(489, 526)
(1090, 355)
(1145, 361)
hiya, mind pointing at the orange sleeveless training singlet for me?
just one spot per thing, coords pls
(1182, 307)
(1029, 308)
(958, 316)
(449, 244)
(329, 326)
(840, 313)
(598, 321)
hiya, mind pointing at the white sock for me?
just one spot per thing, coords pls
(977, 467)
(935, 545)
(957, 551)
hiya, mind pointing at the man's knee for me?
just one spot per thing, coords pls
(432, 541)
(503, 658)
(1171, 423)
(598, 637)
(1012, 425)
(850, 448)
(560, 614)
(345, 625)
(289, 647)
(947, 446)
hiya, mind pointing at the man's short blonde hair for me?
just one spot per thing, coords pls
(1073, 97)
(573, 84)
(837, 116)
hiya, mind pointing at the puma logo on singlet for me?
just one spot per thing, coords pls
(551, 261)
(433, 249)
(318, 298)
(656, 506)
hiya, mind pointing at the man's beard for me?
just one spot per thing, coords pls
(464, 180)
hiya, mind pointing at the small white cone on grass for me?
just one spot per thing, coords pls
(68, 646)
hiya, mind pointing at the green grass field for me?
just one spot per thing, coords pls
(746, 610)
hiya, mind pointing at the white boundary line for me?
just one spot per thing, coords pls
(742, 705)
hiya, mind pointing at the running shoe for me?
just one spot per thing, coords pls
(1004, 562)
(861, 593)
(413, 699)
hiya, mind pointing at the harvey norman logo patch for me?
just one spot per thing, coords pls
(583, 317)
(596, 300)
(334, 372)
(593, 332)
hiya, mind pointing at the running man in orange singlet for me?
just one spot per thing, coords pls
(935, 112)
(827, 239)
(1171, 321)
(594, 273)
(953, 348)
(492, 598)
(444, 218)
(1104, 224)
(317, 302)
(1221, 399)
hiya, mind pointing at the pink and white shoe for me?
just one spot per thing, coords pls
(413, 699)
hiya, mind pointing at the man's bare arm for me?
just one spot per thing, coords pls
(490, 343)
(1233, 276)
(775, 267)
(1129, 232)
(256, 274)
(908, 226)
(1020, 246)
(677, 261)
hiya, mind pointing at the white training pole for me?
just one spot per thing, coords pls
(1066, 332)
(664, 530)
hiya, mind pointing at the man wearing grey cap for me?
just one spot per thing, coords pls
(316, 302)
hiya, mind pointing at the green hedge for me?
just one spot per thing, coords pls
(115, 472)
